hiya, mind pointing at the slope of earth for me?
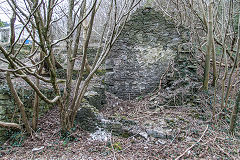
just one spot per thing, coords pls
(193, 136)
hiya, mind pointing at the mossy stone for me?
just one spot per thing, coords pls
(87, 118)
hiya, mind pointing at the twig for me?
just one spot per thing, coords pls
(171, 141)
(222, 150)
(193, 144)
(111, 140)
(160, 83)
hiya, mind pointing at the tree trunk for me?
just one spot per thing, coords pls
(234, 113)
(209, 46)
(224, 54)
(35, 109)
(234, 65)
(19, 104)
(214, 64)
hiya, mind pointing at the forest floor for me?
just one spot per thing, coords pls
(194, 136)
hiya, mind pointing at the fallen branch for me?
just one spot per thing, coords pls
(192, 145)
(10, 125)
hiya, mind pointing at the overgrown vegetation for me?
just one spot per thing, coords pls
(205, 116)
(215, 28)
(80, 18)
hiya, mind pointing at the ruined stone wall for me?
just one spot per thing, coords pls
(9, 112)
(142, 53)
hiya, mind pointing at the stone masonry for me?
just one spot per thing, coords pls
(142, 53)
